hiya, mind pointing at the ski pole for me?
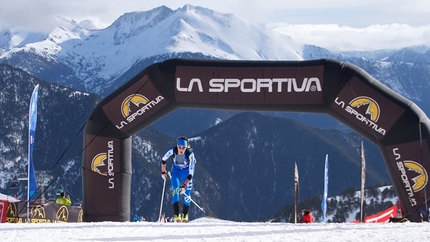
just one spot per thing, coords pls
(170, 175)
(162, 198)
(193, 202)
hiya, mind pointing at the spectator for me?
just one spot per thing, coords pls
(307, 216)
(63, 199)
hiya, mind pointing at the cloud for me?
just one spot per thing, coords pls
(38, 14)
(344, 38)
(357, 25)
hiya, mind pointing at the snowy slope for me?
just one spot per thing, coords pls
(214, 231)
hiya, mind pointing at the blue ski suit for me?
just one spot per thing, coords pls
(182, 167)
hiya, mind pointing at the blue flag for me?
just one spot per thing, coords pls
(32, 184)
(324, 199)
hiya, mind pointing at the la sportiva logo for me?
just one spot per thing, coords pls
(251, 85)
(62, 214)
(12, 214)
(420, 179)
(364, 109)
(12, 210)
(372, 110)
(38, 212)
(136, 100)
(413, 172)
(103, 164)
(80, 216)
(98, 164)
(135, 105)
(413, 175)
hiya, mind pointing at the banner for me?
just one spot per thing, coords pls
(363, 180)
(381, 217)
(324, 199)
(43, 213)
(32, 121)
(32, 184)
(296, 192)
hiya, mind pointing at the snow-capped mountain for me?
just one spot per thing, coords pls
(62, 113)
(95, 59)
(76, 55)
(101, 60)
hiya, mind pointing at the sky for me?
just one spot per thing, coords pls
(207, 229)
(334, 24)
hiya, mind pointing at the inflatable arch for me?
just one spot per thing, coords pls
(395, 124)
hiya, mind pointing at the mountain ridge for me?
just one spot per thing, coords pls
(101, 60)
(97, 62)
(247, 149)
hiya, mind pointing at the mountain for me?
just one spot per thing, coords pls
(95, 60)
(344, 207)
(253, 166)
(62, 114)
(78, 65)
(245, 166)
(101, 60)
(244, 162)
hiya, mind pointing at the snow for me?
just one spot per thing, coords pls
(209, 229)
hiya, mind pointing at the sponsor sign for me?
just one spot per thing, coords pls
(411, 172)
(367, 108)
(38, 212)
(12, 210)
(249, 85)
(48, 213)
(105, 161)
(134, 105)
(62, 214)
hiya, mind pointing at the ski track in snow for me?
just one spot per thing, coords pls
(208, 229)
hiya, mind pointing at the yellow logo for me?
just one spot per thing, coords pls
(136, 100)
(372, 106)
(62, 214)
(12, 210)
(420, 181)
(98, 164)
(38, 212)
(80, 216)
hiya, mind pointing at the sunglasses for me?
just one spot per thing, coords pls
(181, 147)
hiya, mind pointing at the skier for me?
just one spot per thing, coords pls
(307, 216)
(182, 172)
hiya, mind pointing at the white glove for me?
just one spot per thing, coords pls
(164, 175)
(183, 188)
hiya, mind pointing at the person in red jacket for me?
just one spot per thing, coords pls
(307, 216)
